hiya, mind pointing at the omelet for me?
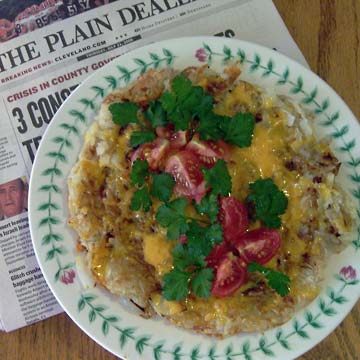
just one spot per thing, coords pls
(128, 252)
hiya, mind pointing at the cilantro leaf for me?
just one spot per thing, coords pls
(209, 126)
(214, 233)
(278, 281)
(238, 130)
(176, 284)
(156, 114)
(183, 259)
(124, 113)
(201, 282)
(141, 199)
(182, 87)
(139, 171)
(208, 206)
(205, 103)
(197, 240)
(140, 137)
(162, 186)
(197, 102)
(270, 202)
(180, 118)
(185, 102)
(218, 178)
(168, 101)
(170, 212)
(172, 216)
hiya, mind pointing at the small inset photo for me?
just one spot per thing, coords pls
(13, 197)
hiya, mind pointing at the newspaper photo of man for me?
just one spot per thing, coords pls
(13, 198)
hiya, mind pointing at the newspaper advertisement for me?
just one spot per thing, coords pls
(40, 69)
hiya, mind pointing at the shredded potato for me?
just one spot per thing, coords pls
(127, 252)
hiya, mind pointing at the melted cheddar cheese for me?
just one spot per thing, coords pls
(157, 252)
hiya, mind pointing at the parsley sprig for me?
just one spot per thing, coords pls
(190, 271)
(268, 201)
(149, 184)
(185, 102)
(187, 107)
(172, 216)
(278, 281)
(218, 178)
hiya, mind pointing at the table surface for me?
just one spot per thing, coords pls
(328, 34)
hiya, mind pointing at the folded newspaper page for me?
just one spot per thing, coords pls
(48, 47)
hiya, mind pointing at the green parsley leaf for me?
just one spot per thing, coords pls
(238, 130)
(168, 101)
(139, 171)
(201, 282)
(209, 126)
(124, 113)
(176, 229)
(205, 103)
(276, 280)
(208, 206)
(156, 114)
(140, 137)
(172, 216)
(171, 212)
(176, 285)
(197, 240)
(162, 186)
(197, 101)
(270, 202)
(141, 199)
(180, 118)
(218, 178)
(185, 102)
(182, 87)
(183, 259)
(214, 233)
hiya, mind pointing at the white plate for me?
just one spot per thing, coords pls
(100, 315)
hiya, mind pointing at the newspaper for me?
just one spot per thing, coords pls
(41, 67)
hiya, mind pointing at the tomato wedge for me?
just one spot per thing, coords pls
(155, 153)
(233, 217)
(164, 131)
(184, 166)
(178, 139)
(231, 274)
(258, 245)
(208, 151)
(142, 152)
(217, 254)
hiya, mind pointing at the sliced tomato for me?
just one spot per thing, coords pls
(258, 245)
(208, 151)
(231, 274)
(217, 254)
(142, 152)
(178, 139)
(233, 217)
(184, 166)
(164, 131)
(155, 153)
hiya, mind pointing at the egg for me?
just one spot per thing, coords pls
(128, 252)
